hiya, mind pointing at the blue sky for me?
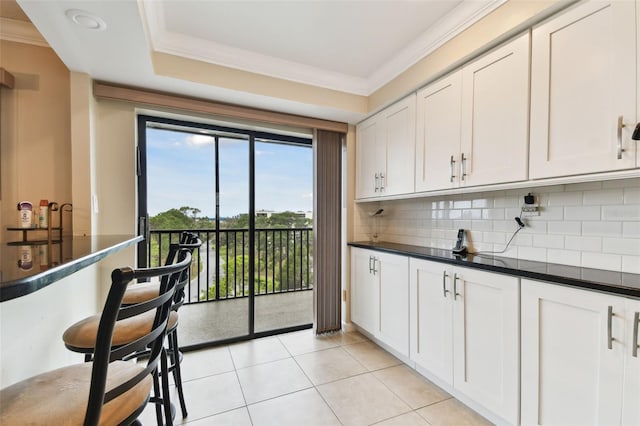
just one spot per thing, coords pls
(284, 174)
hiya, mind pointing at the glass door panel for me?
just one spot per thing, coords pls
(283, 235)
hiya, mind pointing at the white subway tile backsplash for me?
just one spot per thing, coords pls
(603, 197)
(482, 203)
(632, 195)
(582, 213)
(626, 212)
(590, 244)
(564, 199)
(631, 229)
(601, 261)
(626, 246)
(505, 201)
(595, 224)
(564, 257)
(565, 228)
(548, 241)
(602, 229)
(493, 214)
(493, 237)
(481, 225)
(462, 204)
(631, 264)
(532, 253)
(472, 214)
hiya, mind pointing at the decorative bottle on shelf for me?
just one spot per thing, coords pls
(26, 209)
(43, 216)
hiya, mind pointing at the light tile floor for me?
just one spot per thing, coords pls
(300, 379)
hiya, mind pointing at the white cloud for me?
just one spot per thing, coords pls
(308, 195)
(200, 140)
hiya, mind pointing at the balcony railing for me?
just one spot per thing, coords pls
(283, 261)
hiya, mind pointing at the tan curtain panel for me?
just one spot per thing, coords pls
(327, 235)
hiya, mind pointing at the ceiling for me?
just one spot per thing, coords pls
(353, 47)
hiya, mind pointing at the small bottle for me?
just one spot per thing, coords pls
(43, 217)
(25, 208)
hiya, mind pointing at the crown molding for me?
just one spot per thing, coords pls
(21, 32)
(452, 24)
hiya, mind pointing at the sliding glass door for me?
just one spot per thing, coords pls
(249, 196)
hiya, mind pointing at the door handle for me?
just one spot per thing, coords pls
(452, 164)
(621, 126)
(370, 267)
(463, 165)
(382, 181)
(455, 286)
(444, 284)
(635, 343)
(377, 184)
(610, 338)
(375, 271)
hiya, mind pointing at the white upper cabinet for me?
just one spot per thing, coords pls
(472, 125)
(438, 134)
(583, 90)
(495, 116)
(385, 150)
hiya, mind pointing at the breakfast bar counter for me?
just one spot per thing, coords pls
(27, 268)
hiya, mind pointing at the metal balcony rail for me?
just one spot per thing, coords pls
(283, 261)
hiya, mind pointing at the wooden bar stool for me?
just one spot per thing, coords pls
(80, 337)
(106, 391)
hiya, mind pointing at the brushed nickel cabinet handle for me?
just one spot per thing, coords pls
(463, 164)
(455, 286)
(452, 164)
(444, 284)
(377, 184)
(621, 126)
(635, 343)
(610, 338)
(382, 181)
(375, 271)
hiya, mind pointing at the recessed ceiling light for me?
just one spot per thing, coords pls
(86, 19)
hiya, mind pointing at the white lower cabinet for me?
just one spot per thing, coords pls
(380, 296)
(578, 363)
(465, 330)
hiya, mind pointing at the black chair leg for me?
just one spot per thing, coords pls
(157, 399)
(166, 400)
(177, 375)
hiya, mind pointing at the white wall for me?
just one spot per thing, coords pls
(594, 225)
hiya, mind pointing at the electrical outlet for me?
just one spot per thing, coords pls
(530, 207)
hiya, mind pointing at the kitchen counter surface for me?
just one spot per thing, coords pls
(624, 284)
(30, 267)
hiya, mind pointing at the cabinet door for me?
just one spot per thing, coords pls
(583, 79)
(364, 290)
(398, 162)
(430, 318)
(367, 168)
(486, 334)
(569, 374)
(393, 274)
(631, 390)
(495, 116)
(438, 134)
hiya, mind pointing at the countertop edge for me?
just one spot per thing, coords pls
(541, 276)
(27, 285)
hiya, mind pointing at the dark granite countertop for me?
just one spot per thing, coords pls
(27, 268)
(624, 284)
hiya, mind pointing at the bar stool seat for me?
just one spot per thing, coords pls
(140, 292)
(60, 396)
(81, 336)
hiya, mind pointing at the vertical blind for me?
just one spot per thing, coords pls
(327, 240)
